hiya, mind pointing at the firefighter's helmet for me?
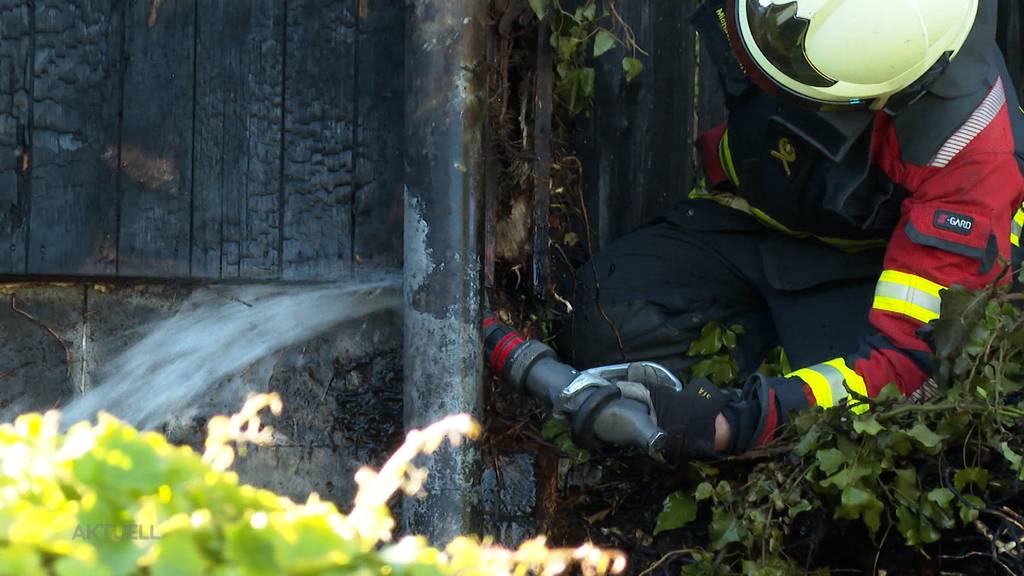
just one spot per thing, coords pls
(848, 53)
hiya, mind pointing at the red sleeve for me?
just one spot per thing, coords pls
(955, 228)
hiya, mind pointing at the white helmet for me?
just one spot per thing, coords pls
(836, 54)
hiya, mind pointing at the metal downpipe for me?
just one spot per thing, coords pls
(445, 107)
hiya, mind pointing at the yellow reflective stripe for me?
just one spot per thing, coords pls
(908, 295)
(1016, 227)
(905, 308)
(915, 282)
(725, 158)
(829, 382)
(854, 382)
(818, 384)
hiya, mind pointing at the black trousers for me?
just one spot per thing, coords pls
(703, 262)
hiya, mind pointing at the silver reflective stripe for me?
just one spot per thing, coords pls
(836, 382)
(909, 295)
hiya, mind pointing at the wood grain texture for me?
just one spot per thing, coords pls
(156, 139)
(380, 121)
(1011, 39)
(237, 194)
(636, 143)
(319, 107)
(76, 99)
(710, 95)
(15, 132)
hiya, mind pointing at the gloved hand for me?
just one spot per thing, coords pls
(752, 415)
(688, 416)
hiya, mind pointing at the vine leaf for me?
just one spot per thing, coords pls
(830, 460)
(961, 312)
(603, 42)
(678, 510)
(975, 476)
(856, 502)
(928, 440)
(867, 425)
(632, 68)
(540, 7)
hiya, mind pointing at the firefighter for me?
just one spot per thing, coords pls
(872, 157)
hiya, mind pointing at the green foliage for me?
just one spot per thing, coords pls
(580, 35)
(715, 346)
(106, 499)
(913, 470)
(678, 510)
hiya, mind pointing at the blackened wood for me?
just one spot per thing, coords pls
(380, 120)
(237, 196)
(542, 162)
(319, 108)
(156, 139)
(1011, 38)
(76, 101)
(638, 143)
(15, 132)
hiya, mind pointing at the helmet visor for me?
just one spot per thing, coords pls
(781, 35)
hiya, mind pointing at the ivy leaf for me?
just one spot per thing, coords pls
(858, 503)
(830, 460)
(941, 496)
(961, 311)
(603, 42)
(632, 68)
(800, 508)
(1013, 458)
(867, 425)
(540, 7)
(725, 529)
(906, 485)
(930, 441)
(976, 476)
(704, 491)
(720, 369)
(586, 13)
(907, 524)
(709, 342)
(678, 510)
(969, 512)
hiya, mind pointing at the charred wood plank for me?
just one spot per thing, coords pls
(156, 139)
(236, 208)
(75, 155)
(319, 104)
(16, 61)
(380, 120)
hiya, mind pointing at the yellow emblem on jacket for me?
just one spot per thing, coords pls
(786, 154)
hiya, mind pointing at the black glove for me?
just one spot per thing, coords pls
(687, 417)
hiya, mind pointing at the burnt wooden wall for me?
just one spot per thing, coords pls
(200, 138)
(636, 142)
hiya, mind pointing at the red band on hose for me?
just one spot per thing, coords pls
(489, 320)
(497, 351)
(508, 348)
(770, 422)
